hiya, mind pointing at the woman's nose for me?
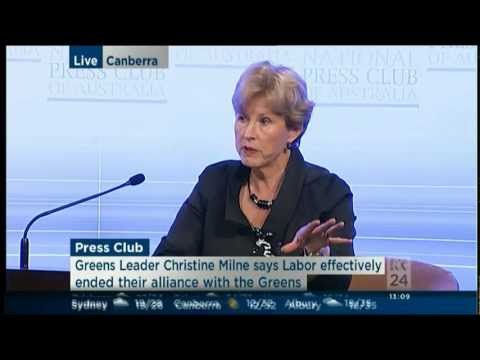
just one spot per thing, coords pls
(249, 130)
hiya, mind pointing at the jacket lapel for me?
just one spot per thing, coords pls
(236, 178)
(285, 205)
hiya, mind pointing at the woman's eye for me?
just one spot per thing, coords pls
(241, 118)
(265, 120)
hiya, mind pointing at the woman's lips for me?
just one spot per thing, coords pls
(249, 150)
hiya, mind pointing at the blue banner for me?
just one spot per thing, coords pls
(85, 57)
(317, 303)
(109, 247)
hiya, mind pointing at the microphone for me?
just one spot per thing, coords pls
(24, 246)
(136, 179)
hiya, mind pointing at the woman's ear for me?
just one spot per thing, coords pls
(293, 134)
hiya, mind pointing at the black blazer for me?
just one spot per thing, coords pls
(211, 223)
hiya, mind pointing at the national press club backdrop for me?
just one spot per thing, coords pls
(398, 123)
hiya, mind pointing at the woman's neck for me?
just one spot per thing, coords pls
(265, 181)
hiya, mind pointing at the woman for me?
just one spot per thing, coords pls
(271, 202)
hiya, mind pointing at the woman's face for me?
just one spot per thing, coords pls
(260, 135)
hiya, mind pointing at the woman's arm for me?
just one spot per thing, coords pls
(186, 233)
(343, 211)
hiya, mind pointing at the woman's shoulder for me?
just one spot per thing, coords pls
(221, 166)
(219, 170)
(324, 180)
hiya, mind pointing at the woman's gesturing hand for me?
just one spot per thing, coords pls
(314, 236)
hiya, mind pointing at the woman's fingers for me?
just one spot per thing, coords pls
(323, 227)
(315, 227)
(307, 229)
(321, 235)
(339, 240)
(300, 237)
(335, 227)
(289, 248)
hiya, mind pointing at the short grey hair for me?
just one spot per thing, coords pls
(284, 90)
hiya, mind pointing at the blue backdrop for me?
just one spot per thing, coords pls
(398, 123)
